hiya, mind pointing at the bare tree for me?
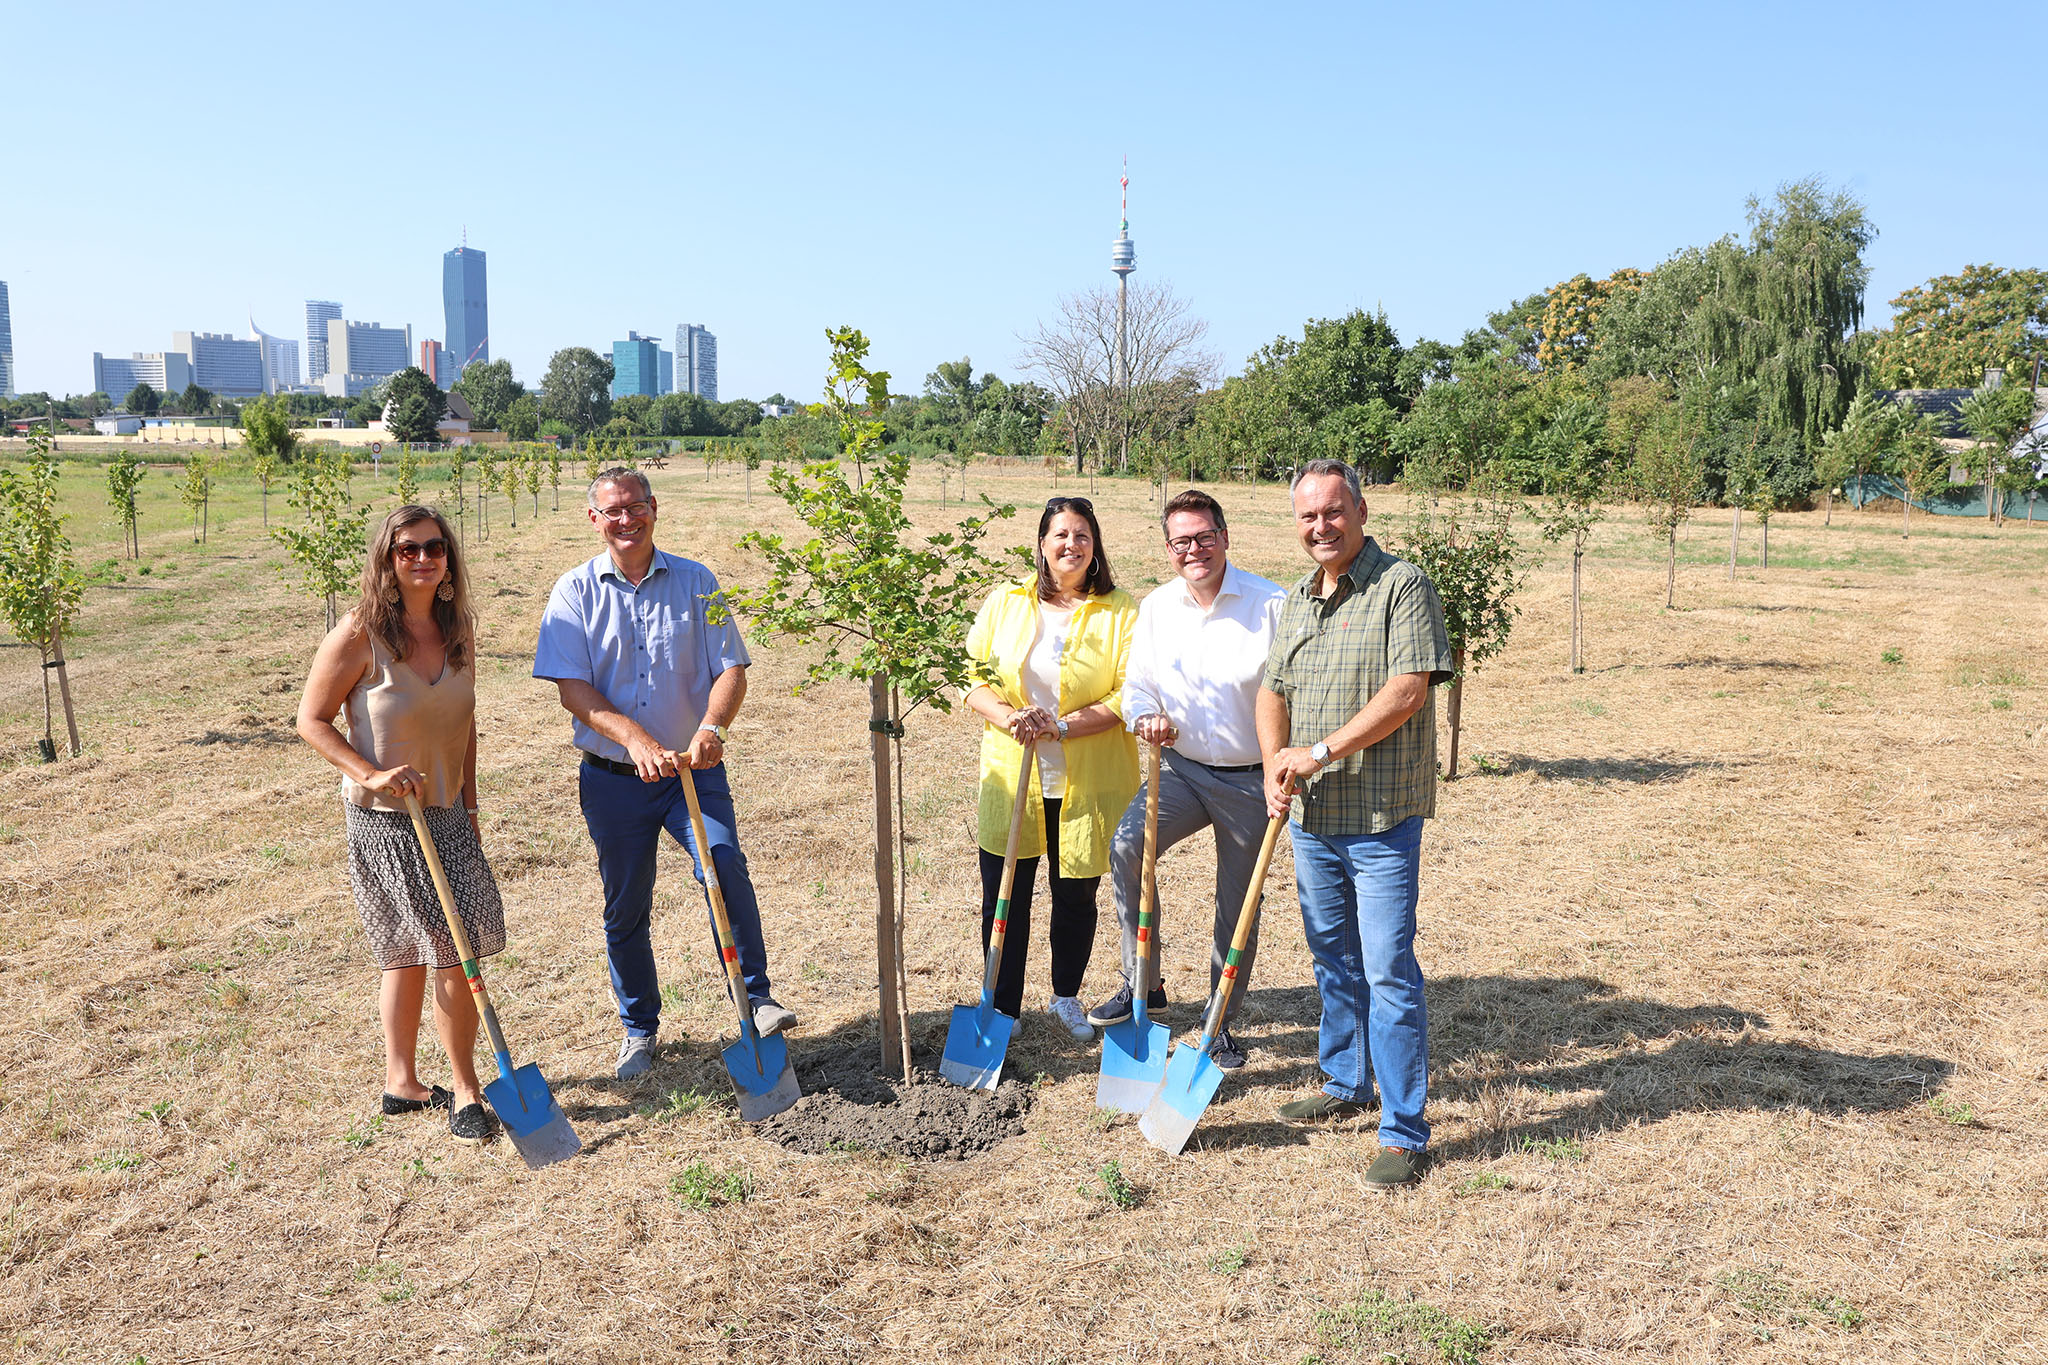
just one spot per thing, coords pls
(1074, 356)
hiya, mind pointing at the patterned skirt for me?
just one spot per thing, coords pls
(395, 891)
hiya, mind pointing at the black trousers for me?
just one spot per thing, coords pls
(1073, 919)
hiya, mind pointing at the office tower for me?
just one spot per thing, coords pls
(280, 359)
(225, 366)
(696, 362)
(463, 302)
(6, 346)
(636, 366)
(168, 372)
(667, 383)
(361, 353)
(439, 363)
(319, 312)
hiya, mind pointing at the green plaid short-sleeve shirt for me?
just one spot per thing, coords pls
(1330, 656)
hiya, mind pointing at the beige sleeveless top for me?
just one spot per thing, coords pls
(396, 716)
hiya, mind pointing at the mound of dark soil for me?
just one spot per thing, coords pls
(849, 1106)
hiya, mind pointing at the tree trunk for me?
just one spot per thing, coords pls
(1767, 542)
(1827, 502)
(1456, 712)
(1671, 570)
(750, 485)
(886, 947)
(63, 688)
(1734, 539)
(1906, 515)
(1578, 626)
(266, 506)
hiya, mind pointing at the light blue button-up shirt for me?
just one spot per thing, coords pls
(650, 650)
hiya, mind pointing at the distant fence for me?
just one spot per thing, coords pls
(1955, 500)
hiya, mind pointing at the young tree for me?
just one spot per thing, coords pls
(511, 484)
(456, 503)
(1995, 417)
(40, 587)
(891, 609)
(554, 459)
(1468, 550)
(1575, 478)
(1918, 462)
(123, 476)
(267, 430)
(486, 480)
(195, 491)
(407, 482)
(265, 469)
(328, 548)
(1670, 473)
(1856, 447)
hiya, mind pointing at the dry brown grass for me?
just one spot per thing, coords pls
(1735, 948)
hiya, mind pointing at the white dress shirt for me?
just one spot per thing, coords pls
(1200, 666)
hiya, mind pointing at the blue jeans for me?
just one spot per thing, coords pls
(1358, 894)
(626, 817)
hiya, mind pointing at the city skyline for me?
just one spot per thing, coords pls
(1424, 198)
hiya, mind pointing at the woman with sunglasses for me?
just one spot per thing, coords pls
(401, 667)
(1051, 651)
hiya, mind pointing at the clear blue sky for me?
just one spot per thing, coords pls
(939, 175)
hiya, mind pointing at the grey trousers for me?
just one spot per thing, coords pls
(1192, 797)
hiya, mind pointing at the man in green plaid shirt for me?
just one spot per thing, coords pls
(1347, 728)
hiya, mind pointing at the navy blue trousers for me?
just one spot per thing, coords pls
(626, 817)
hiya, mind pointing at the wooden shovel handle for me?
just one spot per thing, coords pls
(1148, 876)
(1246, 918)
(728, 951)
(1017, 818)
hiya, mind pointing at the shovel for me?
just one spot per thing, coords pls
(759, 1067)
(1134, 1052)
(978, 1037)
(1192, 1076)
(520, 1098)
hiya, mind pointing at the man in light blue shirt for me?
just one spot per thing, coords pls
(652, 683)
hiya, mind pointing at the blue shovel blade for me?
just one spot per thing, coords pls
(1133, 1064)
(764, 1079)
(533, 1120)
(1191, 1082)
(974, 1051)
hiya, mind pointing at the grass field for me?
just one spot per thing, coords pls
(1735, 947)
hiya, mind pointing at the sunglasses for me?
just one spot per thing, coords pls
(1064, 504)
(410, 550)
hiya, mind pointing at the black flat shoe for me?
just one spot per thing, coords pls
(471, 1124)
(439, 1099)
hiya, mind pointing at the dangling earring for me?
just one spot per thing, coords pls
(390, 593)
(446, 592)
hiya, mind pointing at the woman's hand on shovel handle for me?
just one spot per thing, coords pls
(397, 782)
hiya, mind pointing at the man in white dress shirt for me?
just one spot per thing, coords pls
(1197, 657)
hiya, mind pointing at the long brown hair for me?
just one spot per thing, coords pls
(385, 617)
(1099, 582)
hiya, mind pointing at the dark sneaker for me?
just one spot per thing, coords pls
(1321, 1106)
(1225, 1052)
(1393, 1168)
(471, 1124)
(438, 1099)
(1117, 1008)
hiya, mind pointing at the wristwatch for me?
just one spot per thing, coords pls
(718, 730)
(1320, 752)
(1060, 726)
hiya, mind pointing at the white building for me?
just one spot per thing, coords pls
(168, 372)
(319, 312)
(280, 360)
(225, 365)
(696, 362)
(359, 354)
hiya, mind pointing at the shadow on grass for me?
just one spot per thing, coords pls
(1631, 770)
(1734, 665)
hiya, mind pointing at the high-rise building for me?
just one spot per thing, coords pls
(319, 312)
(280, 359)
(636, 366)
(361, 353)
(463, 302)
(226, 366)
(165, 371)
(667, 383)
(696, 362)
(439, 363)
(6, 346)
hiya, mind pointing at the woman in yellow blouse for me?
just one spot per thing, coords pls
(1052, 651)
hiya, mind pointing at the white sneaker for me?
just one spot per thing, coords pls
(636, 1056)
(1072, 1016)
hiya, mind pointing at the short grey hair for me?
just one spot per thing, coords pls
(618, 473)
(1314, 469)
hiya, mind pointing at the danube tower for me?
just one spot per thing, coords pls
(1123, 259)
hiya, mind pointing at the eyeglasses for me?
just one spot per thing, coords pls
(1067, 504)
(410, 550)
(632, 511)
(1181, 545)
